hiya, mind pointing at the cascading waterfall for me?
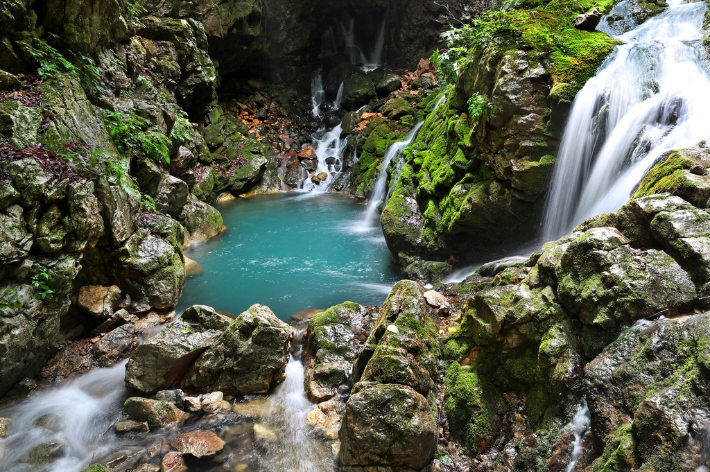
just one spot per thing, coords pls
(379, 191)
(580, 425)
(317, 93)
(339, 98)
(373, 61)
(74, 419)
(651, 96)
(330, 149)
(381, 184)
(297, 448)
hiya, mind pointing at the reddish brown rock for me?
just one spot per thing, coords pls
(98, 301)
(198, 443)
(308, 153)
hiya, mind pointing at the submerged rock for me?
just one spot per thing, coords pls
(158, 413)
(198, 443)
(249, 357)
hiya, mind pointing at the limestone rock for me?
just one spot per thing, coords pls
(131, 426)
(15, 242)
(200, 220)
(163, 360)
(99, 301)
(173, 462)
(198, 443)
(212, 402)
(389, 84)
(5, 424)
(158, 413)
(250, 357)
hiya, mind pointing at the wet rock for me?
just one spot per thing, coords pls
(99, 301)
(326, 418)
(8, 195)
(173, 462)
(130, 426)
(396, 108)
(120, 210)
(158, 413)
(389, 84)
(436, 300)
(256, 408)
(193, 403)
(174, 396)
(44, 453)
(212, 402)
(264, 435)
(15, 242)
(171, 195)
(250, 357)
(163, 360)
(192, 268)
(588, 21)
(308, 153)
(200, 220)
(5, 424)
(198, 443)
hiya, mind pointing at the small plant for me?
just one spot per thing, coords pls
(39, 282)
(148, 203)
(116, 168)
(185, 330)
(135, 11)
(181, 129)
(479, 109)
(9, 300)
(52, 62)
(128, 132)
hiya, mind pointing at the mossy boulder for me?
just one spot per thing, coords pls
(163, 360)
(249, 357)
(395, 374)
(158, 413)
(200, 220)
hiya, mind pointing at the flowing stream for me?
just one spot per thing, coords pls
(652, 95)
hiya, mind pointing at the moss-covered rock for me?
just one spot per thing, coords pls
(672, 174)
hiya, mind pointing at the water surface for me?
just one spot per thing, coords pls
(291, 253)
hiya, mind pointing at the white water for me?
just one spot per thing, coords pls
(339, 98)
(580, 424)
(652, 95)
(367, 62)
(378, 192)
(317, 93)
(83, 409)
(297, 448)
(327, 144)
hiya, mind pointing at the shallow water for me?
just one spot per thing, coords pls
(291, 253)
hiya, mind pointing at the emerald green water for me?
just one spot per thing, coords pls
(291, 253)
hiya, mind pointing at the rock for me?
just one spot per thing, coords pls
(130, 426)
(246, 177)
(158, 413)
(390, 418)
(171, 195)
(182, 162)
(388, 426)
(436, 300)
(308, 153)
(85, 217)
(99, 301)
(44, 453)
(174, 396)
(396, 108)
(163, 360)
(15, 242)
(20, 123)
(173, 462)
(123, 460)
(8, 195)
(200, 220)
(212, 402)
(264, 435)
(5, 424)
(9, 82)
(120, 210)
(193, 403)
(588, 21)
(389, 84)
(250, 357)
(256, 408)
(198, 443)
(357, 91)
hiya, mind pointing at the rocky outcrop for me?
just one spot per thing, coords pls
(391, 416)
(475, 176)
(249, 357)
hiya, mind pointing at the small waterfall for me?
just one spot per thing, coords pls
(330, 150)
(317, 93)
(379, 191)
(367, 63)
(580, 424)
(297, 448)
(652, 95)
(375, 60)
(339, 97)
(76, 416)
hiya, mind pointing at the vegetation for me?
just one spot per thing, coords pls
(39, 282)
(9, 300)
(130, 133)
(52, 62)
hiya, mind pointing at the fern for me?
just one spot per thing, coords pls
(128, 132)
(39, 282)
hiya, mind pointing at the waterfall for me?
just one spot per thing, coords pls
(317, 93)
(580, 424)
(297, 449)
(367, 63)
(375, 60)
(339, 97)
(330, 150)
(381, 184)
(652, 95)
(77, 415)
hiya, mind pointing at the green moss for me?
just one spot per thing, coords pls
(95, 468)
(467, 407)
(618, 455)
(667, 176)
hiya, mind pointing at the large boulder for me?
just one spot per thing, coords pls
(249, 357)
(15, 242)
(162, 361)
(200, 220)
(390, 419)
